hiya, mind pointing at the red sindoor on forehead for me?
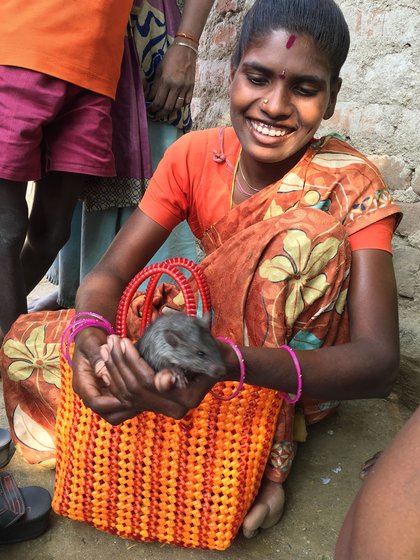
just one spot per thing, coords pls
(289, 45)
(290, 41)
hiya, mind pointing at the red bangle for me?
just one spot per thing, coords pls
(193, 39)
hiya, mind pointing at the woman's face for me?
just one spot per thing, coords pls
(280, 92)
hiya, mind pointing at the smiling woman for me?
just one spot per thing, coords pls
(280, 211)
(289, 225)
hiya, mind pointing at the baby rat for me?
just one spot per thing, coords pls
(183, 344)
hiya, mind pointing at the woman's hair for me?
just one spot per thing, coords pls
(320, 19)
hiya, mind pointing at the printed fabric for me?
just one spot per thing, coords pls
(281, 279)
(30, 372)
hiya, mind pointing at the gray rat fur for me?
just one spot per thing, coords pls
(183, 344)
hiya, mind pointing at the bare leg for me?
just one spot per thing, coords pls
(383, 521)
(49, 223)
(13, 226)
(267, 509)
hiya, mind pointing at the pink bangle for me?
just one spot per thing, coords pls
(78, 322)
(287, 397)
(241, 369)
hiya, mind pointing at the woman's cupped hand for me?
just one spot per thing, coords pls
(115, 382)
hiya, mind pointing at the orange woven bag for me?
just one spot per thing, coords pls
(188, 483)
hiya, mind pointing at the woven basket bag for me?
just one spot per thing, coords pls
(186, 482)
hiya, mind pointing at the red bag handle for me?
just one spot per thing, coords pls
(154, 272)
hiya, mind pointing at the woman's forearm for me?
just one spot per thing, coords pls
(194, 17)
(362, 369)
(100, 293)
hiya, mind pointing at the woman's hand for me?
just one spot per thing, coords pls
(173, 85)
(90, 379)
(118, 384)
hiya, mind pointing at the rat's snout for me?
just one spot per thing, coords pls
(217, 370)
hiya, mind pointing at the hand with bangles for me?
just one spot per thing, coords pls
(173, 85)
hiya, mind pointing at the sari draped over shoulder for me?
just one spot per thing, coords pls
(278, 266)
(278, 274)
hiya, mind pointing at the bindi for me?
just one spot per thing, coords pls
(282, 76)
(290, 41)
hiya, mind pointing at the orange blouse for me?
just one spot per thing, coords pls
(194, 181)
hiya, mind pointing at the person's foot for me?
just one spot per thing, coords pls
(266, 510)
(46, 303)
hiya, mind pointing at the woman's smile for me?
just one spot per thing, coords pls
(265, 129)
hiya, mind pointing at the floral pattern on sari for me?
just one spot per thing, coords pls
(31, 382)
(33, 356)
(283, 287)
(304, 265)
(288, 257)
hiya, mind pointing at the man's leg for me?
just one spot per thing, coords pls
(49, 223)
(13, 227)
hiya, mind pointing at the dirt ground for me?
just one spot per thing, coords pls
(323, 482)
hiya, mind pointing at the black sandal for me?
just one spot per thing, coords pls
(24, 512)
(7, 448)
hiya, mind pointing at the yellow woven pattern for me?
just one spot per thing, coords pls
(187, 483)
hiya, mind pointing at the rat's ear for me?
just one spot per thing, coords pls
(205, 320)
(172, 338)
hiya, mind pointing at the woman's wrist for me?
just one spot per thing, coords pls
(91, 333)
(189, 37)
(186, 44)
(230, 360)
(81, 322)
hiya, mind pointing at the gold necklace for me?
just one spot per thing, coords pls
(244, 178)
(241, 189)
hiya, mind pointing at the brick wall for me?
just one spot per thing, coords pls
(378, 112)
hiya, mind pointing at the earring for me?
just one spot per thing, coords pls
(265, 101)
